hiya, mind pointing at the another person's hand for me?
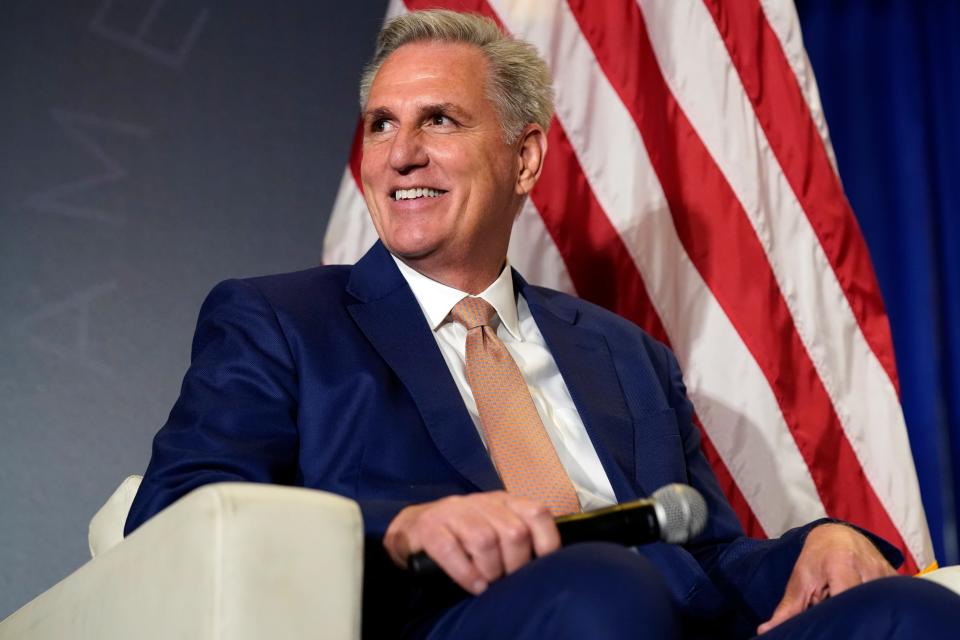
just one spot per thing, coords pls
(474, 538)
(833, 559)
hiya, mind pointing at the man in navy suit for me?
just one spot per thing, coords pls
(352, 380)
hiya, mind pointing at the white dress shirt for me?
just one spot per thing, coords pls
(519, 333)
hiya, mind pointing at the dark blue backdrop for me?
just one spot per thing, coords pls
(889, 78)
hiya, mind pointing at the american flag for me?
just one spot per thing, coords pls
(690, 186)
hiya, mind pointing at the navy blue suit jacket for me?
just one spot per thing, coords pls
(330, 378)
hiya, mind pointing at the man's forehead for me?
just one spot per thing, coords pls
(424, 74)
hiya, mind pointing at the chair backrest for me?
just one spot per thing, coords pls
(106, 526)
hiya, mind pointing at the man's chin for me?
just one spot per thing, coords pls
(417, 259)
(411, 254)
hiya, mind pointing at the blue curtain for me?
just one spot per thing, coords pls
(889, 78)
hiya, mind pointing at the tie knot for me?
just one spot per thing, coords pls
(473, 312)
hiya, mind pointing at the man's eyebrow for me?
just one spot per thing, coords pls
(379, 113)
(382, 113)
(443, 107)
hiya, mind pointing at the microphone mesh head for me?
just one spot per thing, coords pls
(681, 512)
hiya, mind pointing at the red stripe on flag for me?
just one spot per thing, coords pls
(595, 255)
(723, 246)
(356, 154)
(785, 117)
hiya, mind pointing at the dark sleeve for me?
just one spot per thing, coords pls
(235, 419)
(753, 572)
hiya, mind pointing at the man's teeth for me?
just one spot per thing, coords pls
(410, 194)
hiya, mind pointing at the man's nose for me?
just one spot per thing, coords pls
(407, 151)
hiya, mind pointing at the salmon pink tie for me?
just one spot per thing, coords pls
(521, 450)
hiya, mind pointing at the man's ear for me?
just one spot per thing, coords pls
(531, 150)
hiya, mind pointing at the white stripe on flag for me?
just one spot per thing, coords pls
(350, 232)
(533, 253)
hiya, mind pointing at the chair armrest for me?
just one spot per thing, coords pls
(948, 577)
(229, 560)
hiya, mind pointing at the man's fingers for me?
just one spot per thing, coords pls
(400, 538)
(802, 592)
(790, 606)
(540, 523)
(842, 577)
(878, 569)
(478, 536)
(450, 555)
(514, 537)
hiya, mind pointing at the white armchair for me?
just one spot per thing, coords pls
(229, 560)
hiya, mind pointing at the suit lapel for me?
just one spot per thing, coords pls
(387, 310)
(584, 360)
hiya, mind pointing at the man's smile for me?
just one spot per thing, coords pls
(416, 192)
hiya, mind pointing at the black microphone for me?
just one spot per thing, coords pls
(674, 513)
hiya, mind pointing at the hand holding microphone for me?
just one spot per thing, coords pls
(674, 513)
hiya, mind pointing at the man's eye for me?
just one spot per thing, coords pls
(439, 120)
(379, 126)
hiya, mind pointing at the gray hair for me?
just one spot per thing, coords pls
(519, 83)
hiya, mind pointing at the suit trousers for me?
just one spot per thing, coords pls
(607, 592)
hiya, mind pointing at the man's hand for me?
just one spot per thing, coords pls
(833, 559)
(474, 538)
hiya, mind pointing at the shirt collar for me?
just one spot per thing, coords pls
(437, 299)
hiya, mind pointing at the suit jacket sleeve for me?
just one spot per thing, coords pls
(236, 417)
(754, 572)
